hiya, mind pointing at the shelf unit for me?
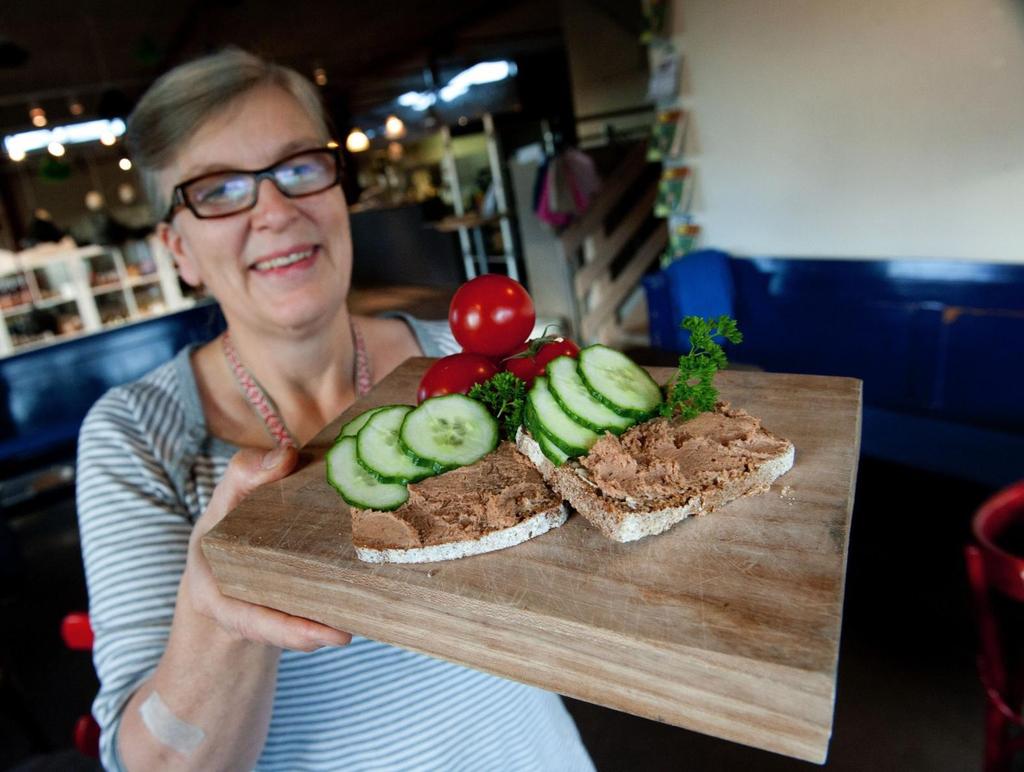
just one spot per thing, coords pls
(471, 226)
(49, 297)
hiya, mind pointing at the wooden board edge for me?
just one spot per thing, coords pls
(577, 657)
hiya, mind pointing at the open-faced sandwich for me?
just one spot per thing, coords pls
(594, 429)
(639, 480)
(434, 483)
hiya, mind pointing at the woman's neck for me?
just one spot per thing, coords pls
(309, 377)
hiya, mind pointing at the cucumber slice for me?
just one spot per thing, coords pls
(379, 453)
(357, 486)
(554, 453)
(452, 430)
(617, 381)
(577, 402)
(351, 429)
(568, 435)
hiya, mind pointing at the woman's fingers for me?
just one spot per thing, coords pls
(275, 628)
(252, 622)
(248, 470)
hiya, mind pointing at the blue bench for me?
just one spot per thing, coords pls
(938, 344)
(46, 392)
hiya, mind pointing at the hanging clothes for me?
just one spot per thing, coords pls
(568, 182)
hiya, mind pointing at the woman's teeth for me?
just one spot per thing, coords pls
(281, 262)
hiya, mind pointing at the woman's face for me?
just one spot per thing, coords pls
(239, 257)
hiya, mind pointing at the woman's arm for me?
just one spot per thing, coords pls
(187, 675)
(214, 686)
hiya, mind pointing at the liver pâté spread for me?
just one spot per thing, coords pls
(499, 491)
(666, 460)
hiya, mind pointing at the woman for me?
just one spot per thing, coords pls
(189, 678)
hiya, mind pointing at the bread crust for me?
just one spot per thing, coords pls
(620, 523)
(525, 530)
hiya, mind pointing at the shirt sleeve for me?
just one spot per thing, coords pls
(434, 336)
(134, 534)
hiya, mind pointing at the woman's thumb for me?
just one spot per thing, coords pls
(248, 470)
(273, 458)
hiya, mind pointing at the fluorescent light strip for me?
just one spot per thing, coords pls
(478, 74)
(75, 133)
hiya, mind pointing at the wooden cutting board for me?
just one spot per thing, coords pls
(727, 624)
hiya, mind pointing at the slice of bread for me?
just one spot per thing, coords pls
(624, 518)
(495, 540)
(498, 502)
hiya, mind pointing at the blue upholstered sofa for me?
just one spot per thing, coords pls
(938, 344)
(46, 392)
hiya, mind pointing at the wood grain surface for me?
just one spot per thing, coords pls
(727, 624)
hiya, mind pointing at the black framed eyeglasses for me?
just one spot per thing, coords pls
(220, 194)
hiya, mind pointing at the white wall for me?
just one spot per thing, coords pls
(857, 128)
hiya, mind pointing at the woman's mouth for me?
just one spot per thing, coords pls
(281, 263)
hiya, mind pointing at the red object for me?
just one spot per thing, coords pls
(87, 736)
(491, 315)
(534, 355)
(76, 631)
(455, 374)
(992, 569)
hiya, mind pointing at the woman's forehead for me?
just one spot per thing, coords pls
(252, 132)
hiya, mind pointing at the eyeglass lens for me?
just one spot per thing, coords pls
(228, 192)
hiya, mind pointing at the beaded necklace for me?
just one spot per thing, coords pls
(263, 405)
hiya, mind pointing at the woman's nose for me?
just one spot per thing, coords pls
(273, 208)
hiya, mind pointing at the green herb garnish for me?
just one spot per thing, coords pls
(504, 395)
(692, 390)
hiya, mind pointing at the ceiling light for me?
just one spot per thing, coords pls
(75, 107)
(417, 100)
(38, 116)
(55, 149)
(93, 200)
(88, 131)
(320, 76)
(357, 141)
(125, 164)
(17, 155)
(478, 74)
(394, 127)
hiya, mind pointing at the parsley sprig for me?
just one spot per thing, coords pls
(692, 390)
(504, 395)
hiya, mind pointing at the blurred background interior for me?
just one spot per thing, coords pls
(844, 178)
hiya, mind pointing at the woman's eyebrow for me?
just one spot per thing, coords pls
(284, 151)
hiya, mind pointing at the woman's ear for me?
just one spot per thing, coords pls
(187, 268)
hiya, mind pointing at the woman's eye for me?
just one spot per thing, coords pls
(301, 171)
(223, 190)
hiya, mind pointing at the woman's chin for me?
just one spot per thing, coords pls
(305, 318)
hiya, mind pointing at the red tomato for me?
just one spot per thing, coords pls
(534, 355)
(455, 374)
(491, 314)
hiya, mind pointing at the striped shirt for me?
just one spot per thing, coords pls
(147, 467)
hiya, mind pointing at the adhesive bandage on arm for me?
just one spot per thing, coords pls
(167, 728)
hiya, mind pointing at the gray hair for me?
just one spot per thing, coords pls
(185, 98)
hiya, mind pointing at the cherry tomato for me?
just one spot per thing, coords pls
(534, 355)
(491, 314)
(455, 374)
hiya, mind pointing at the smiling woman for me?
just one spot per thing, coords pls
(234, 155)
(279, 257)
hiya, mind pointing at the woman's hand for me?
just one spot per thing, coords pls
(248, 470)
